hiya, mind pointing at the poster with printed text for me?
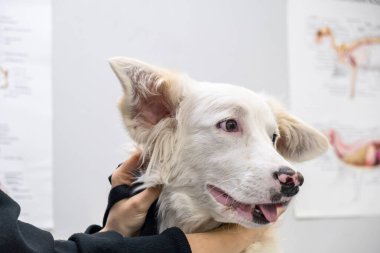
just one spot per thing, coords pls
(26, 108)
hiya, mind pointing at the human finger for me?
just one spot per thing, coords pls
(142, 201)
(124, 174)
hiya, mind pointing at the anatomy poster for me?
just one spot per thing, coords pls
(26, 107)
(334, 64)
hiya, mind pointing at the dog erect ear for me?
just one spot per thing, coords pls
(151, 95)
(298, 141)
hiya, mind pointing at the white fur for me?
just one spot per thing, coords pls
(184, 150)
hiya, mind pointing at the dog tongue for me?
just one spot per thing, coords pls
(269, 211)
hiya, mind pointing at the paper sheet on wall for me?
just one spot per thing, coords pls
(26, 107)
(334, 54)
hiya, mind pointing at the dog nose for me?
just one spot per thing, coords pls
(289, 180)
(288, 176)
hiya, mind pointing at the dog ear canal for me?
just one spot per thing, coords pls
(150, 93)
(298, 141)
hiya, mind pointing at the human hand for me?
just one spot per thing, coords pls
(128, 215)
(229, 238)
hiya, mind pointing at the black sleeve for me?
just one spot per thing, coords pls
(19, 237)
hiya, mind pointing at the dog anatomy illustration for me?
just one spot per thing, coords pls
(361, 153)
(348, 53)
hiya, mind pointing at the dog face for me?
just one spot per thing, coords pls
(218, 149)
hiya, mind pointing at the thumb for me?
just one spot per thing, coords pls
(145, 199)
(125, 173)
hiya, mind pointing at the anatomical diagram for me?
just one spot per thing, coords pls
(361, 154)
(355, 54)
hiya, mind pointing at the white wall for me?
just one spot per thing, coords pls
(241, 42)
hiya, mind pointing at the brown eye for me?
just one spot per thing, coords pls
(229, 125)
(274, 138)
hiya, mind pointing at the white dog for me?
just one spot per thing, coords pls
(218, 150)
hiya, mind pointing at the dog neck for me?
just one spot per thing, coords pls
(177, 207)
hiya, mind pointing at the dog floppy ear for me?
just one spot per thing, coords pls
(298, 141)
(151, 96)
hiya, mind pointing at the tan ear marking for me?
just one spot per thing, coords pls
(298, 141)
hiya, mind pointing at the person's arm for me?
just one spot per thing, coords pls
(17, 236)
(233, 239)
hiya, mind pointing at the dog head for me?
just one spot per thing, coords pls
(219, 148)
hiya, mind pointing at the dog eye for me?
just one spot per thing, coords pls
(229, 125)
(274, 138)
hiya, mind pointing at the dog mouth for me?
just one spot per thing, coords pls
(257, 213)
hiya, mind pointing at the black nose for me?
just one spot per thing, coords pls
(289, 180)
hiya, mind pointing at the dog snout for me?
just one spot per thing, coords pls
(289, 180)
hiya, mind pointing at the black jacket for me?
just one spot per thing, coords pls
(20, 237)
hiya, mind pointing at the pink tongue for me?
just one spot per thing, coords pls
(242, 209)
(269, 211)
